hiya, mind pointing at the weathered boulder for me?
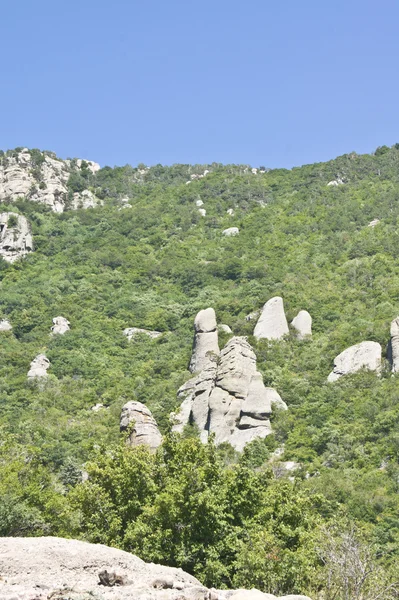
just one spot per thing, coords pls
(60, 326)
(224, 328)
(230, 231)
(206, 345)
(15, 236)
(42, 177)
(132, 332)
(394, 345)
(228, 398)
(302, 324)
(272, 323)
(143, 428)
(38, 367)
(364, 355)
(5, 325)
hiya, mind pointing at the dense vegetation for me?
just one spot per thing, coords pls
(230, 520)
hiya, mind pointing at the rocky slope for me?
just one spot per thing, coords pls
(60, 569)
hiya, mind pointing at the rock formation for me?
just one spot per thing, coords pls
(145, 430)
(131, 332)
(231, 231)
(38, 367)
(302, 324)
(364, 355)
(40, 568)
(272, 323)
(206, 346)
(60, 326)
(224, 328)
(394, 345)
(43, 178)
(228, 398)
(15, 236)
(5, 325)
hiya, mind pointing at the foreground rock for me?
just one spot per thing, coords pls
(42, 177)
(394, 345)
(131, 332)
(144, 429)
(364, 355)
(15, 236)
(272, 323)
(38, 367)
(48, 567)
(206, 345)
(228, 398)
(302, 324)
(60, 326)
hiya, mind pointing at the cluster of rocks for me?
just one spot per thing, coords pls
(40, 568)
(272, 323)
(15, 236)
(131, 332)
(44, 181)
(196, 176)
(227, 397)
(41, 364)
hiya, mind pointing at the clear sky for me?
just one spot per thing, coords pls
(275, 83)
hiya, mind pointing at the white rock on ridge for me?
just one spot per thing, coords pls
(230, 231)
(60, 326)
(224, 328)
(228, 398)
(202, 212)
(206, 345)
(199, 203)
(145, 430)
(38, 367)
(272, 323)
(302, 324)
(394, 345)
(364, 355)
(5, 325)
(335, 182)
(373, 223)
(41, 177)
(230, 211)
(131, 332)
(15, 236)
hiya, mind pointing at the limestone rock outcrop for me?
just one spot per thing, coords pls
(272, 323)
(228, 398)
(394, 345)
(15, 236)
(206, 345)
(230, 231)
(144, 429)
(60, 326)
(302, 324)
(42, 177)
(5, 325)
(224, 328)
(131, 332)
(41, 568)
(364, 355)
(39, 367)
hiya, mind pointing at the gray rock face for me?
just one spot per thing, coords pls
(231, 231)
(15, 236)
(132, 332)
(364, 355)
(206, 345)
(394, 345)
(38, 367)
(60, 326)
(302, 323)
(272, 323)
(228, 398)
(224, 328)
(145, 430)
(42, 178)
(5, 325)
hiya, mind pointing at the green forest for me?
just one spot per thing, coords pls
(232, 520)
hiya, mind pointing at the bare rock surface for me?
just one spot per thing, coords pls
(224, 328)
(230, 231)
(47, 567)
(272, 323)
(302, 324)
(145, 429)
(42, 177)
(206, 344)
(15, 236)
(60, 326)
(5, 325)
(394, 345)
(131, 332)
(38, 367)
(364, 355)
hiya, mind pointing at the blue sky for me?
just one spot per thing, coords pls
(278, 84)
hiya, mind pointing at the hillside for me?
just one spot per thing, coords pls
(144, 254)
